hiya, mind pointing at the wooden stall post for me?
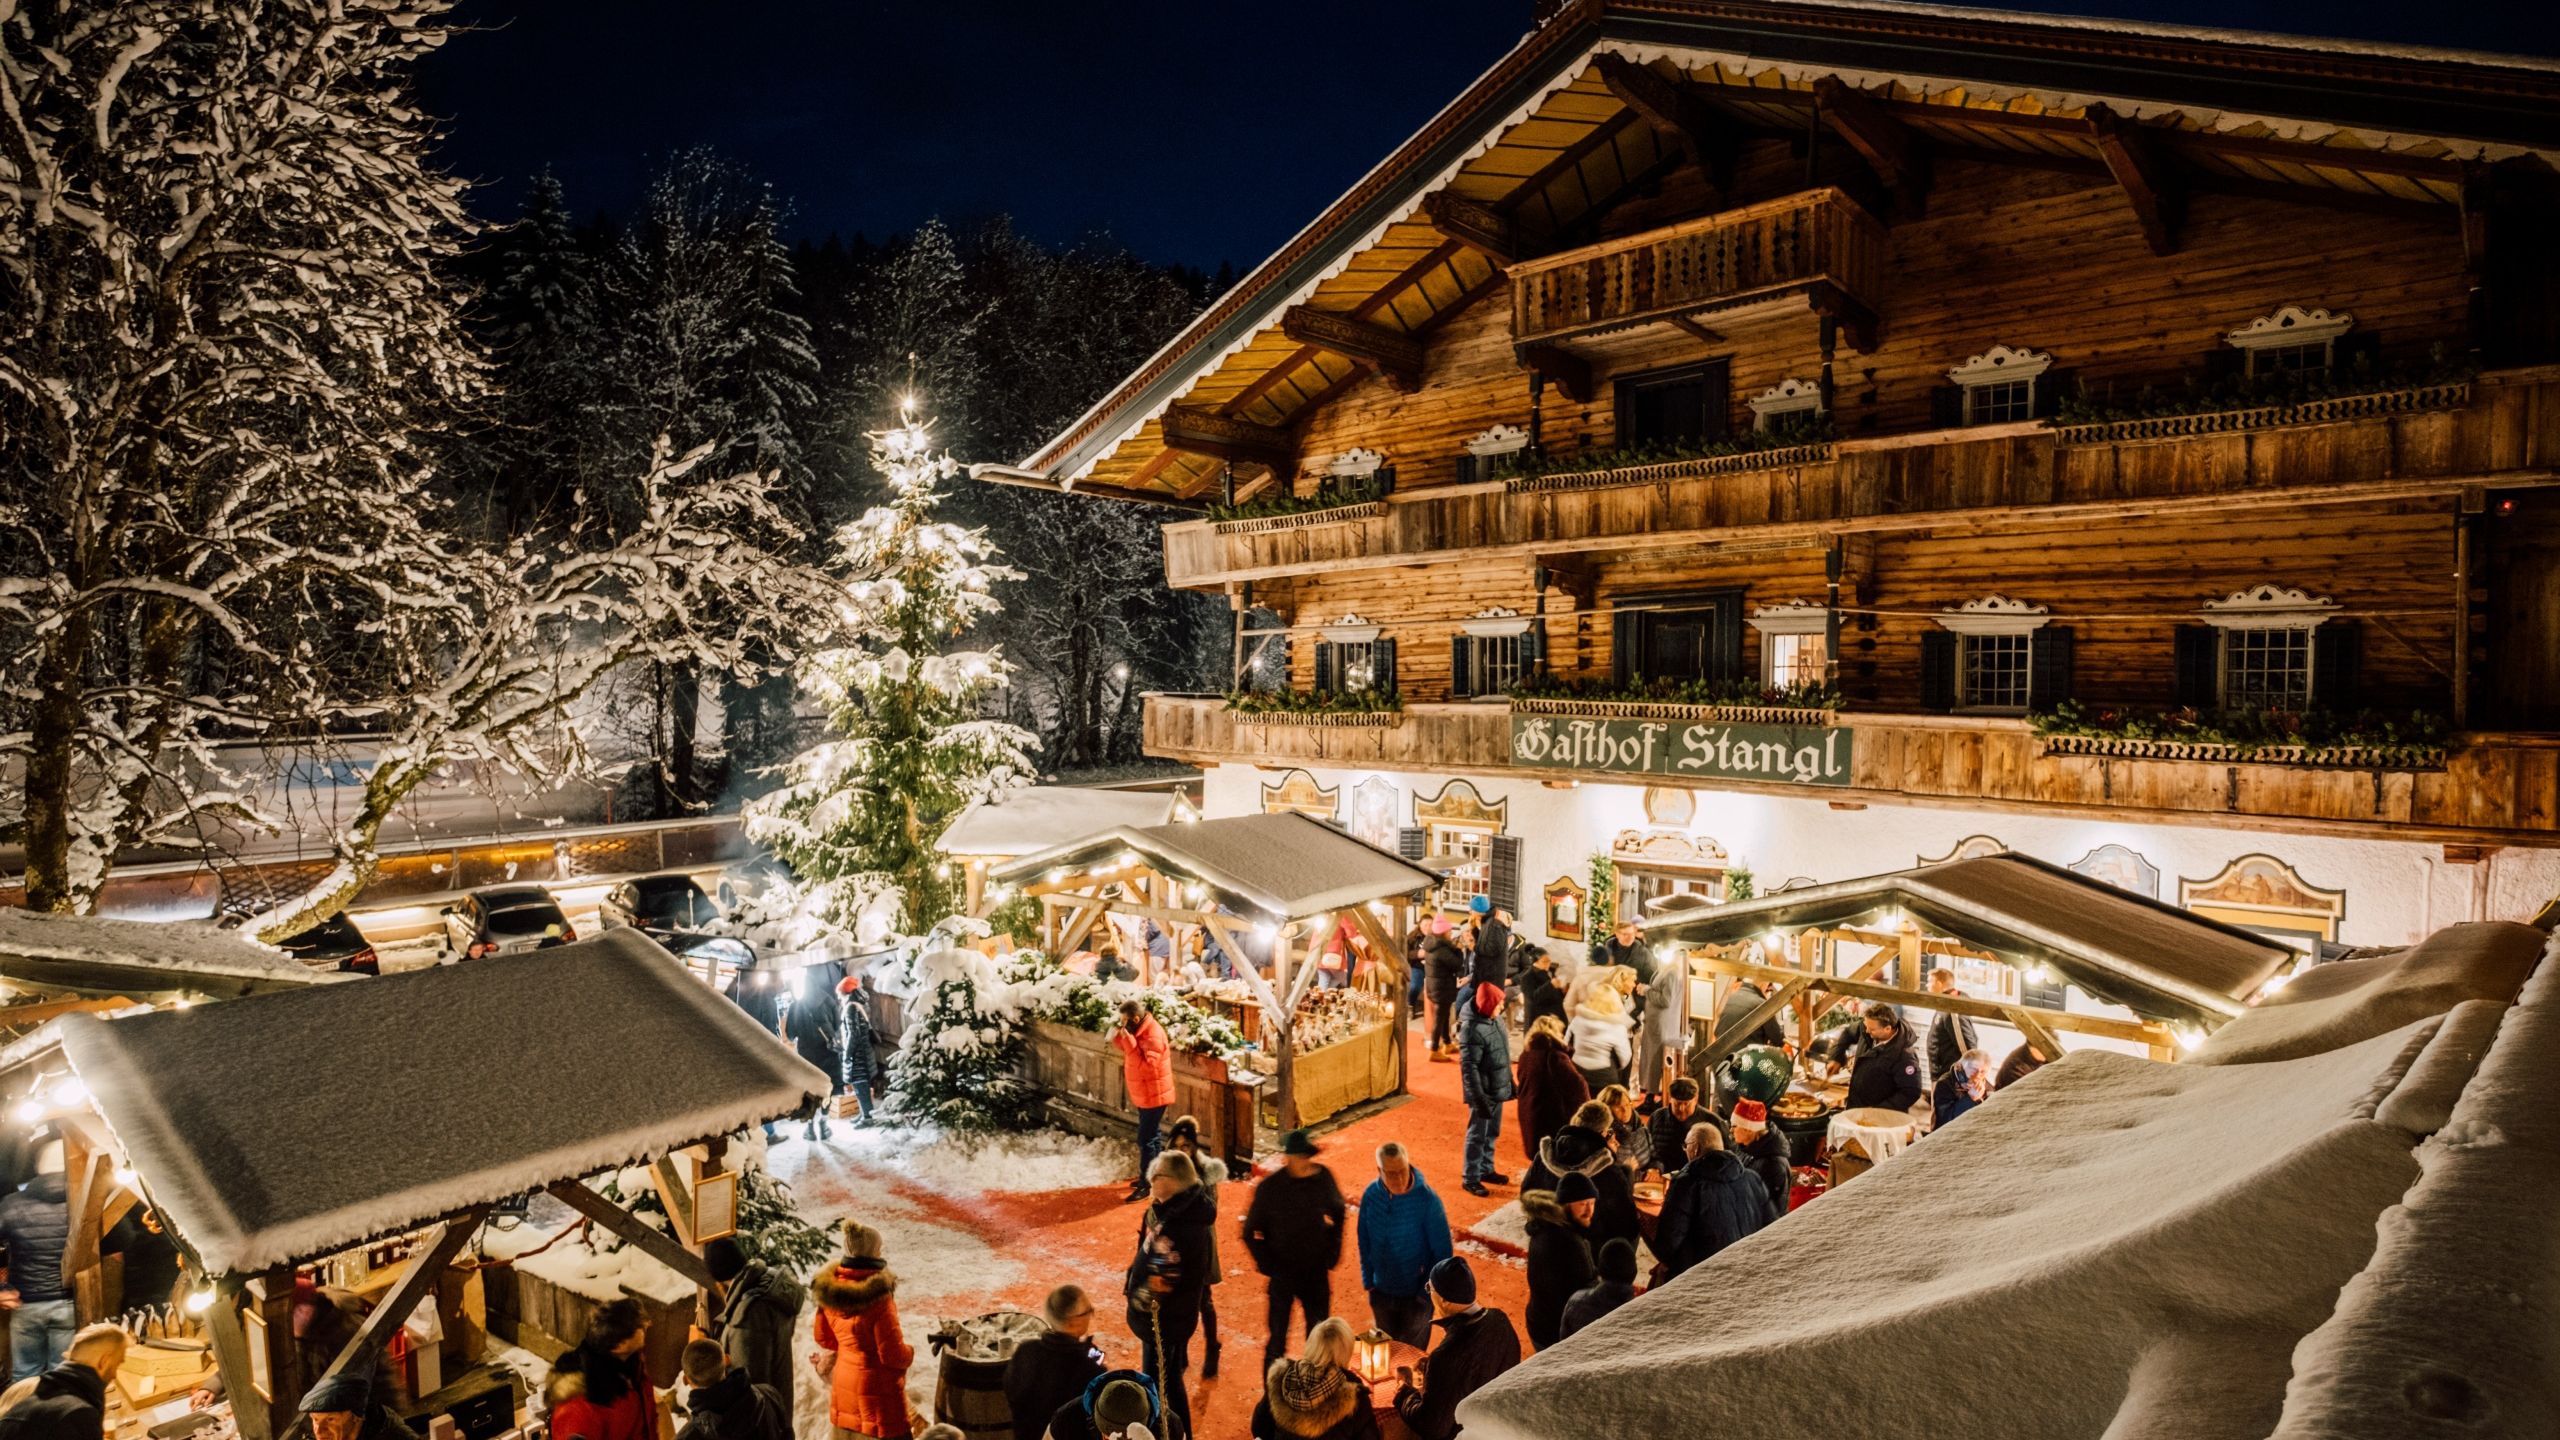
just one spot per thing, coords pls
(253, 1420)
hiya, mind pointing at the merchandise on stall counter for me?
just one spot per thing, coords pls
(1327, 1016)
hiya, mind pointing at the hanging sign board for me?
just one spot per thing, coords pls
(1810, 755)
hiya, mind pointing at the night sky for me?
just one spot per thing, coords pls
(1195, 133)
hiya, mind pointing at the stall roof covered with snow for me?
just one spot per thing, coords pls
(1043, 817)
(2352, 1242)
(1284, 865)
(2154, 959)
(92, 955)
(280, 1127)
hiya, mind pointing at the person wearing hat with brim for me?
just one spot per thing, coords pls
(1114, 1402)
(1476, 1343)
(1294, 1231)
(1560, 1261)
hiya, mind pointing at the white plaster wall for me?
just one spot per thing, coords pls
(2397, 891)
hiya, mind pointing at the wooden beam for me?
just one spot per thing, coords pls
(1480, 228)
(2139, 1032)
(231, 1357)
(1224, 437)
(1850, 313)
(1563, 369)
(2146, 174)
(653, 1242)
(417, 1281)
(1712, 139)
(1391, 354)
(2038, 1034)
(1900, 160)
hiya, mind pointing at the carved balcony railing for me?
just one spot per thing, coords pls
(2490, 788)
(1819, 243)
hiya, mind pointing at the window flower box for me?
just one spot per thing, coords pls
(2403, 400)
(1334, 514)
(1658, 472)
(2315, 757)
(1337, 719)
(1678, 713)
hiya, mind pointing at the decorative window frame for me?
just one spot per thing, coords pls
(2267, 607)
(1354, 465)
(1499, 440)
(2288, 326)
(1787, 617)
(1788, 397)
(1995, 615)
(1495, 622)
(1352, 629)
(1999, 365)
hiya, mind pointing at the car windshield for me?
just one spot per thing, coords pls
(333, 936)
(528, 915)
(678, 903)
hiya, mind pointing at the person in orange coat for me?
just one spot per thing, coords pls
(1146, 1063)
(860, 1348)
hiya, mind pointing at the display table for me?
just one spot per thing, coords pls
(1867, 1137)
(1382, 1393)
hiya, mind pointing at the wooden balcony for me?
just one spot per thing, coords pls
(1818, 244)
(2494, 788)
(2501, 429)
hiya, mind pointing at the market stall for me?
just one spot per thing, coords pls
(2036, 948)
(1270, 893)
(358, 1135)
(2120, 1247)
(1034, 818)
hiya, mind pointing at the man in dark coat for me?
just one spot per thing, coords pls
(1615, 1287)
(813, 1023)
(1712, 1203)
(35, 1226)
(1491, 963)
(1667, 1129)
(1763, 1152)
(1950, 1034)
(1582, 1148)
(2019, 1064)
(724, 1404)
(1475, 1344)
(1745, 998)
(1293, 1229)
(858, 1061)
(1541, 994)
(1884, 1073)
(1484, 1078)
(1053, 1368)
(70, 1400)
(1560, 1260)
(758, 1317)
(1442, 965)
(1963, 1086)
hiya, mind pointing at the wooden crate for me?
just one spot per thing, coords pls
(1080, 1073)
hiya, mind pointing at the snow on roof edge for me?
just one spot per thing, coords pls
(178, 947)
(2158, 30)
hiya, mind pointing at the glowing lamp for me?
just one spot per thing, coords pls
(1372, 1356)
(199, 1300)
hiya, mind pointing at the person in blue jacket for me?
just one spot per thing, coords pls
(1964, 1086)
(1404, 1231)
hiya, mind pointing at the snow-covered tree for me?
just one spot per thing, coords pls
(858, 814)
(543, 445)
(960, 1068)
(222, 329)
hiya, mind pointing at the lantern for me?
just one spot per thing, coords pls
(1371, 1356)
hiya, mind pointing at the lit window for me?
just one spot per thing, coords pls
(1789, 661)
(1352, 658)
(1464, 854)
(2266, 669)
(1991, 672)
(1356, 667)
(1999, 385)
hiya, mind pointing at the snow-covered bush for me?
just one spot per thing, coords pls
(1043, 991)
(960, 1066)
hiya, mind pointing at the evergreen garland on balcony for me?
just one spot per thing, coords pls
(2200, 395)
(1643, 691)
(1315, 702)
(1332, 494)
(1527, 465)
(2416, 735)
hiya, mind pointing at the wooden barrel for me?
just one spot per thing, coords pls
(968, 1386)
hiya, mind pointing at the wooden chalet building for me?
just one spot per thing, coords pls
(1817, 439)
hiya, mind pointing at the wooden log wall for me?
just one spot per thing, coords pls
(2123, 587)
(2007, 255)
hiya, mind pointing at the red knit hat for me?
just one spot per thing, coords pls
(1750, 1112)
(848, 984)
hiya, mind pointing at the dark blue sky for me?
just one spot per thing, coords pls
(1196, 133)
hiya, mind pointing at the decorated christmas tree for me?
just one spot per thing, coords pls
(857, 816)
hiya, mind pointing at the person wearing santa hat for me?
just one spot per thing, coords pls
(1763, 1152)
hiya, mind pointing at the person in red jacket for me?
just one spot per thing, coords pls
(598, 1388)
(860, 1348)
(1146, 1063)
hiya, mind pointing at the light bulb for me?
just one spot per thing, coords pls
(125, 1178)
(27, 1111)
(70, 1091)
(199, 1300)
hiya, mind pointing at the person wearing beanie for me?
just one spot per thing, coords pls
(1586, 1148)
(721, 1403)
(1615, 1287)
(1484, 1079)
(1712, 1203)
(1476, 1343)
(1491, 963)
(753, 1313)
(1560, 1262)
(1763, 1152)
(1316, 1397)
(862, 1350)
(1118, 1405)
(856, 1055)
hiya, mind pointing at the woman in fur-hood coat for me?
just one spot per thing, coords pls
(857, 1325)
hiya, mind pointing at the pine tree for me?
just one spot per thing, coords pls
(960, 1067)
(546, 332)
(857, 816)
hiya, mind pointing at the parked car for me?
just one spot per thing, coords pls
(503, 919)
(334, 944)
(745, 880)
(663, 905)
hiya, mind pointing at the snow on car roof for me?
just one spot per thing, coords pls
(89, 952)
(286, 1126)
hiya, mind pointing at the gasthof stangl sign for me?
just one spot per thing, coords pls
(1772, 754)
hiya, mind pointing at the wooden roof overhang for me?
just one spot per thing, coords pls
(1611, 96)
